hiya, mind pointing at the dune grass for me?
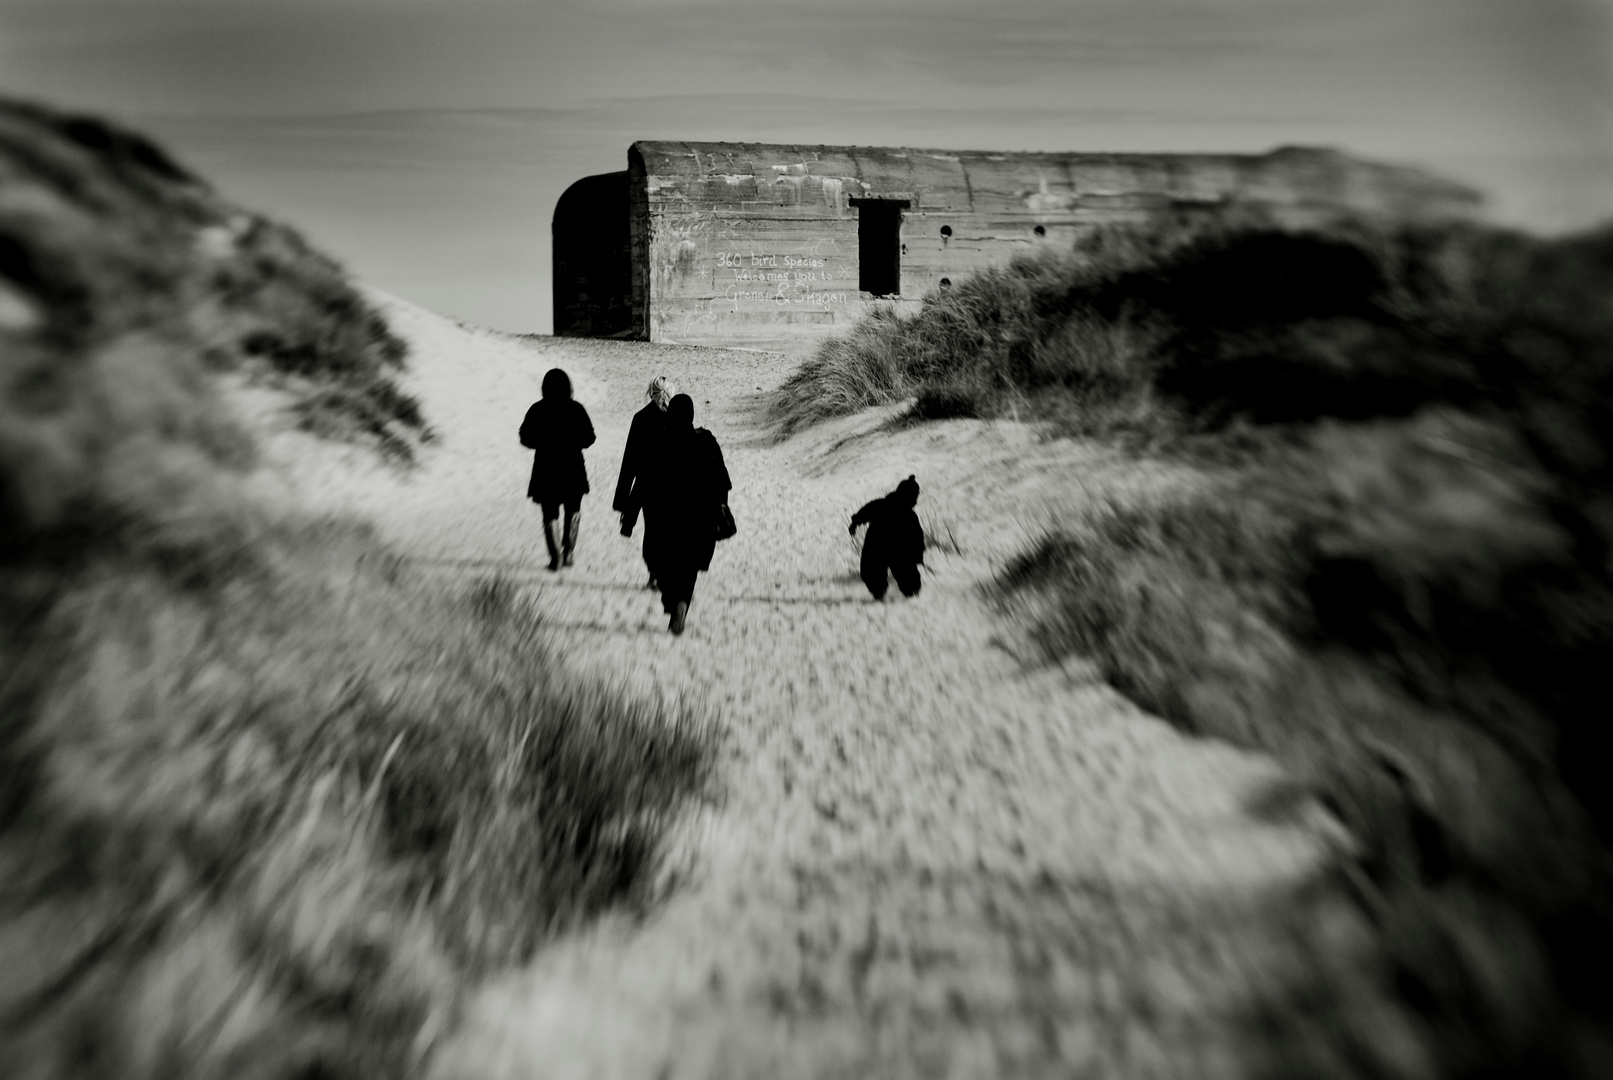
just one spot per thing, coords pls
(992, 345)
(270, 816)
(269, 802)
(1415, 641)
(1193, 325)
(1396, 578)
(103, 232)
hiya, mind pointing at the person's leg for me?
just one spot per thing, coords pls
(573, 523)
(680, 611)
(551, 533)
(907, 578)
(667, 578)
(652, 547)
(873, 574)
(677, 589)
(649, 560)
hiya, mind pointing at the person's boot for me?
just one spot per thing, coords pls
(569, 545)
(551, 537)
(679, 613)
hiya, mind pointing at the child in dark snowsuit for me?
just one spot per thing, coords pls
(895, 541)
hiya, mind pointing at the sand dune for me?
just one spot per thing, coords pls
(929, 860)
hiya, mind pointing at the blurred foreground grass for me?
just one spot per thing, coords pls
(267, 802)
(1397, 576)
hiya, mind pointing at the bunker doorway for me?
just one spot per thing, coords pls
(593, 259)
(879, 245)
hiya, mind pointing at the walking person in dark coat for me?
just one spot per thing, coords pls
(895, 540)
(685, 484)
(558, 430)
(643, 440)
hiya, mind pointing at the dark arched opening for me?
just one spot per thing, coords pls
(593, 291)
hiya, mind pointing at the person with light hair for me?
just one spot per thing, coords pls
(643, 436)
(685, 506)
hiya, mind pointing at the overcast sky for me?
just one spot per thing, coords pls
(425, 142)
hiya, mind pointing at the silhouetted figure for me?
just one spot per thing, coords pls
(643, 438)
(895, 540)
(558, 430)
(684, 485)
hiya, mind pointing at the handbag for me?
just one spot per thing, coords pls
(724, 522)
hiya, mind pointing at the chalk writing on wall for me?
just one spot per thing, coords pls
(778, 279)
(739, 260)
(799, 293)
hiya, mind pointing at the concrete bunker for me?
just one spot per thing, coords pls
(762, 246)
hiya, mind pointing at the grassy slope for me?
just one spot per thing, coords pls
(1400, 583)
(266, 802)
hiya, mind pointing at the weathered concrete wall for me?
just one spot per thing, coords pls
(757, 246)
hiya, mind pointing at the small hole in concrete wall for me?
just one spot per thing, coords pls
(1039, 231)
(946, 283)
(946, 230)
(904, 249)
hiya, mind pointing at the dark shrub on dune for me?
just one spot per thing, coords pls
(268, 801)
(106, 235)
(1395, 576)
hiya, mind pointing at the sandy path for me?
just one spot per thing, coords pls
(928, 862)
